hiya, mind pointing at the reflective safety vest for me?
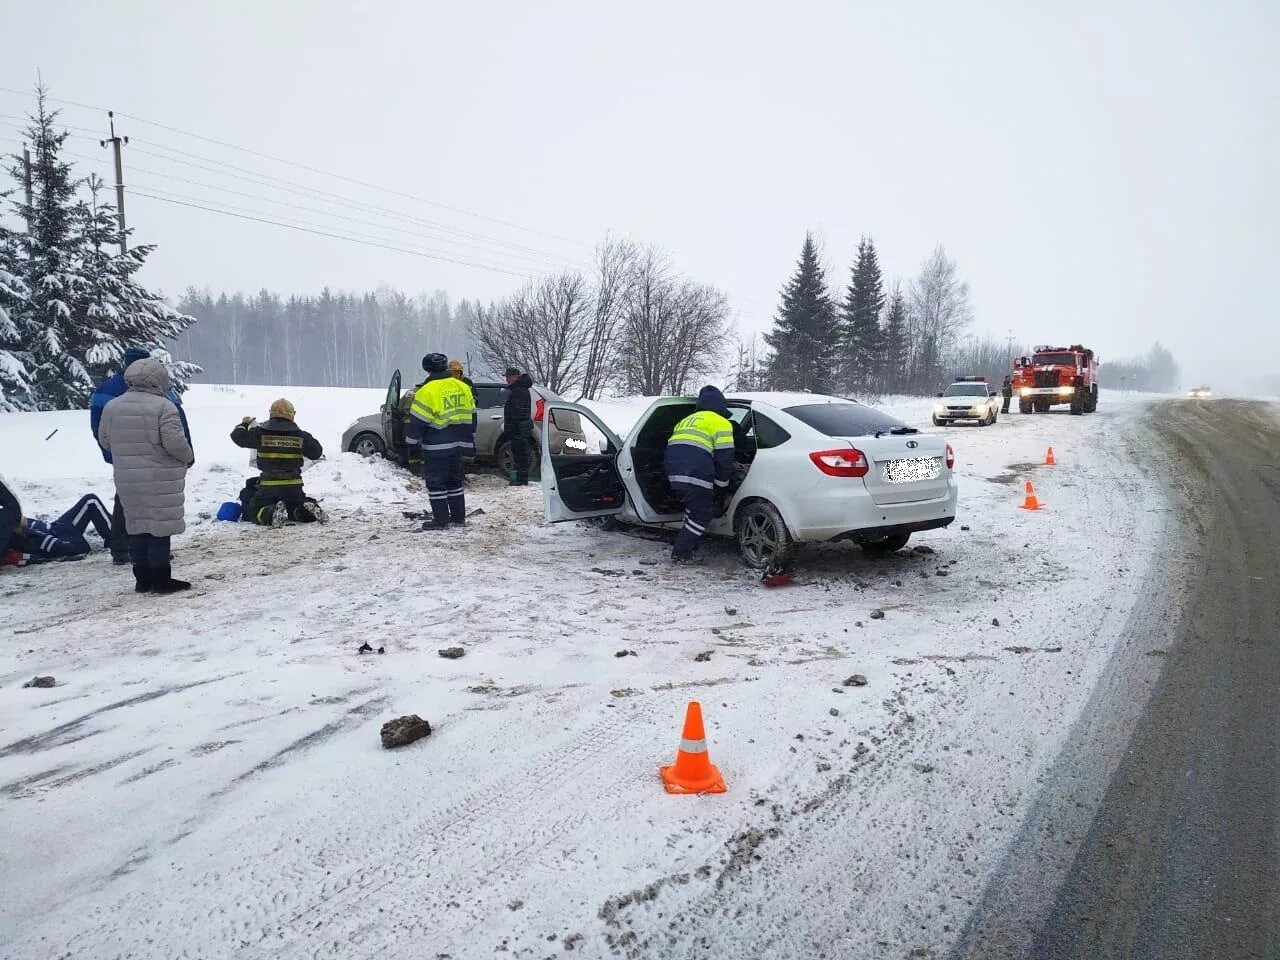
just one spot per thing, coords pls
(700, 451)
(281, 447)
(442, 417)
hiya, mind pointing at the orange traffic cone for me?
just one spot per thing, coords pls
(692, 772)
(1032, 502)
(1048, 459)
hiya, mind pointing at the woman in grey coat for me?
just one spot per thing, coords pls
(150, 453)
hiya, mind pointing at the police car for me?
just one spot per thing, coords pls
(969, 398)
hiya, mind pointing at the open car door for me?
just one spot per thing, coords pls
(392, 427)
(584, 483)
(642, 462)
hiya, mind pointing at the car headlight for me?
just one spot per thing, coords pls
(1066, 391)
(939, 409)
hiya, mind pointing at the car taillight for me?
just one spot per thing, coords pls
(539, 410)
(951, 457)
(849, 462)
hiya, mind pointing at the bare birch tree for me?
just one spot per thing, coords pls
(543, 328)
(938, 313)
(615, 263)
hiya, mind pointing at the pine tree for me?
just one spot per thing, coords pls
(861, 347)
(83, 305)
(804, 338)
(49, 263)
(894, 352)
(15, 382)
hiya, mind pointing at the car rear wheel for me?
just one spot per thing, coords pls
(885, 545)
(763, 538)
(368, 445)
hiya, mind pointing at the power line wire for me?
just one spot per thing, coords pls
(166, 194)
(325, 233)
(263, 179)
(302, 166)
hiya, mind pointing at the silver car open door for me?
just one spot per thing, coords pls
(578, 484)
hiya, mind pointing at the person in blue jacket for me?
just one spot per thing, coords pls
(107, 391)
(25, 540)
(699, 464)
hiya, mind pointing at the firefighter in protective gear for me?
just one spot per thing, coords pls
(1006, 392)
(281, 446)
(699, 462)
(442, 424)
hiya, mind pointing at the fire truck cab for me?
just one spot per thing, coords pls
(1057, 376)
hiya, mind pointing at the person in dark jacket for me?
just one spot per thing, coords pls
(1006, 391)
(281, 448)
(107, 391)
(31, 540)
(699, 462)
(517, 424)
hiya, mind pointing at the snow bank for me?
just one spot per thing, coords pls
(206, 779)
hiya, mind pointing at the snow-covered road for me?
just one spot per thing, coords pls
(206, 779)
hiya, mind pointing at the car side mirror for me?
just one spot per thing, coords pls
(991, 393)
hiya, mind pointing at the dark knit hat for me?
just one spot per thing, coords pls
(133, 353)
(435, 363)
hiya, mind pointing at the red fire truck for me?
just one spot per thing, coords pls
(1057, 376)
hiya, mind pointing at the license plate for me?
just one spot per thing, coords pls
(911, 471)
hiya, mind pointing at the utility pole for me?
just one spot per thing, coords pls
(26, 183)
(1011, 348)
(115, 144)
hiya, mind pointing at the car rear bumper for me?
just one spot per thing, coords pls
(879, 533)
(865, 518)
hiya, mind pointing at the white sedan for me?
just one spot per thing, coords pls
(817, 468)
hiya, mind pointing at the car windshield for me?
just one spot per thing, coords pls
(845, 419)
(1060, 359)
(966, 390)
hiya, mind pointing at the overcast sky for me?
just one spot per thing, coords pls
(1103, 175)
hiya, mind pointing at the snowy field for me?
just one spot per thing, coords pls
(206, 780)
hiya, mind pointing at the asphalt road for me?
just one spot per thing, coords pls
(1157, 835)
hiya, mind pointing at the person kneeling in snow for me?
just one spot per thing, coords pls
(29, 540)
(281, 448)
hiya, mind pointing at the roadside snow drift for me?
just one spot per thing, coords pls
(206, 778)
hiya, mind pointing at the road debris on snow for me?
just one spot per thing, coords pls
(40, 682)
(452, 653)
(404, 730)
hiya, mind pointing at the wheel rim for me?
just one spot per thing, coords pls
(367, 447)
(759, 538)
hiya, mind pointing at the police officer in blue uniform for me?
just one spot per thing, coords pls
(442, 425)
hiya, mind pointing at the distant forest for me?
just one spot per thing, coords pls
(330, 340)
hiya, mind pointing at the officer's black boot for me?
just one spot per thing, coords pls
(142, 576)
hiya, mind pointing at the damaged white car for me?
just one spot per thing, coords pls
(813, 468)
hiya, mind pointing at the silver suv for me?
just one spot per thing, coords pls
(382, 433)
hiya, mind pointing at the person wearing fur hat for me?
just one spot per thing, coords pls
(699, 462)
(281, 448)
(107, 391)
(455, 370)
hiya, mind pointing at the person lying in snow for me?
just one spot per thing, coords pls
(281, 449)
(30, 540)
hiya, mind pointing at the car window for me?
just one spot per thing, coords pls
(844, 419)
(966, 390)
(768, 434)
(490, 397)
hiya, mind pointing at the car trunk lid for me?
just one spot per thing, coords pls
(903, 468)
